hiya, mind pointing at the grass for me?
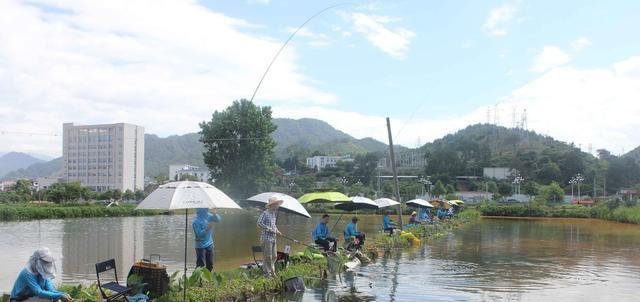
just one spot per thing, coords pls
(606, 211)
(24, 211)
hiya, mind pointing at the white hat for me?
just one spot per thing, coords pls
(44, 254)
(273, 200)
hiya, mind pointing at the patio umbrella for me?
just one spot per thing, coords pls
(436, 203)
(386, 202)
(289, 204)
(186, 195)
(357, 203)
(324, 197)
(456, 202)
(419, 203)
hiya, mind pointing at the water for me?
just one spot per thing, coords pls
(491, 260)
(80, 243)
(505, 260)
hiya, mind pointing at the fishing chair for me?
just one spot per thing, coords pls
(282, 259)
(119, 292)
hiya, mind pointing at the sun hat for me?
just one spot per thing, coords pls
(275, 199)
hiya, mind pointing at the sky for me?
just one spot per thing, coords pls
(433, 67)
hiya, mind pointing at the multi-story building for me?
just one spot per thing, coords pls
(320, 162)
(104, 157)
(177, 171)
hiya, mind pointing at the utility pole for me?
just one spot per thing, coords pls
(395, 173)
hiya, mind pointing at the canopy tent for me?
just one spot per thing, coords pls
(186, 195)
(289, 204)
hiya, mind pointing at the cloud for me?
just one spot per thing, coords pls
(596, 106)
(392, 41)
(314, 39)
(499, 19)
(580, 43)
(263, 2)
(164, 65)
(550, 57)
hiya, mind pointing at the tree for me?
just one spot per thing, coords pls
(140, 195)
(188, 177)
(439, 189)
(239, 148)
(67, 192)
(117, 194)
(129, 195)
(551, 193)
(23, 187)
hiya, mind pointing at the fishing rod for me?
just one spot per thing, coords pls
(296, 241)
(287, 42)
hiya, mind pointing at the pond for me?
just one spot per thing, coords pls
(490, 260)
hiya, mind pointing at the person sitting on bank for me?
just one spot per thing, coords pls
(35, 282)
(413, 219)
(322, 237)
(267, 223)
(353, 239)
(423, 215)
(387, 224)
(202, 226)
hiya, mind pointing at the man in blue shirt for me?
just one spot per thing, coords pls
(387, 224)
(353, 239)
(321, 235)
(202, 225)
(35, 282)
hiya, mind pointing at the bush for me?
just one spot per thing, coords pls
(49, 211)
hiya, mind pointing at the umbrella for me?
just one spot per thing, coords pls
(419, 203)
(456, 202)
(289, 205)
(357, 203)
(330, 197)
(186, 195)
(436, 203)
(385, 202)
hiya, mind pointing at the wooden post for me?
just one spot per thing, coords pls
(395, 173)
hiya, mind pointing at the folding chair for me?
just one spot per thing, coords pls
(120, 292)
(254, 250)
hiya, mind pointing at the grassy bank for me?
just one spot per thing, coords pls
(243, 285)
(24, 211)
(604, 211)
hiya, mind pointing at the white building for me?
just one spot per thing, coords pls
(104, 157)
(320, 162)
(42, 183)
(499, 173)
(176, 172)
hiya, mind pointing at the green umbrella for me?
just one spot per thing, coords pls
(324, 197)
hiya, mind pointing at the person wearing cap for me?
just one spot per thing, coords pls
(204, 245)
(322, 237)
(35, 282)
(353, 239)
(267, 223)
(413, 220)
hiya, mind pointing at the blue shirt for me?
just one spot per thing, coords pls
(321, 231)
(201, 229)
(28, 285)
(350, 231)
(386, 222)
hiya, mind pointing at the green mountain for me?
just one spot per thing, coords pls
(536, 157)
(635, 154)
(15, 160)
(301, 137)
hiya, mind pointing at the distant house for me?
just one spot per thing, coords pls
(497, 173)
(177, 171)
(42, 183)
(321, 162)
(6, 185)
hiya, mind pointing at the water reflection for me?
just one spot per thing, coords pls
(80, 243)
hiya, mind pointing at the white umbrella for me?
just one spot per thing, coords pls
(386, 202)
(187, 195)
(357, 203)
(289, 203)
(419, 203)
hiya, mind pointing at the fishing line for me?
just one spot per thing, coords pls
(287, 42)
